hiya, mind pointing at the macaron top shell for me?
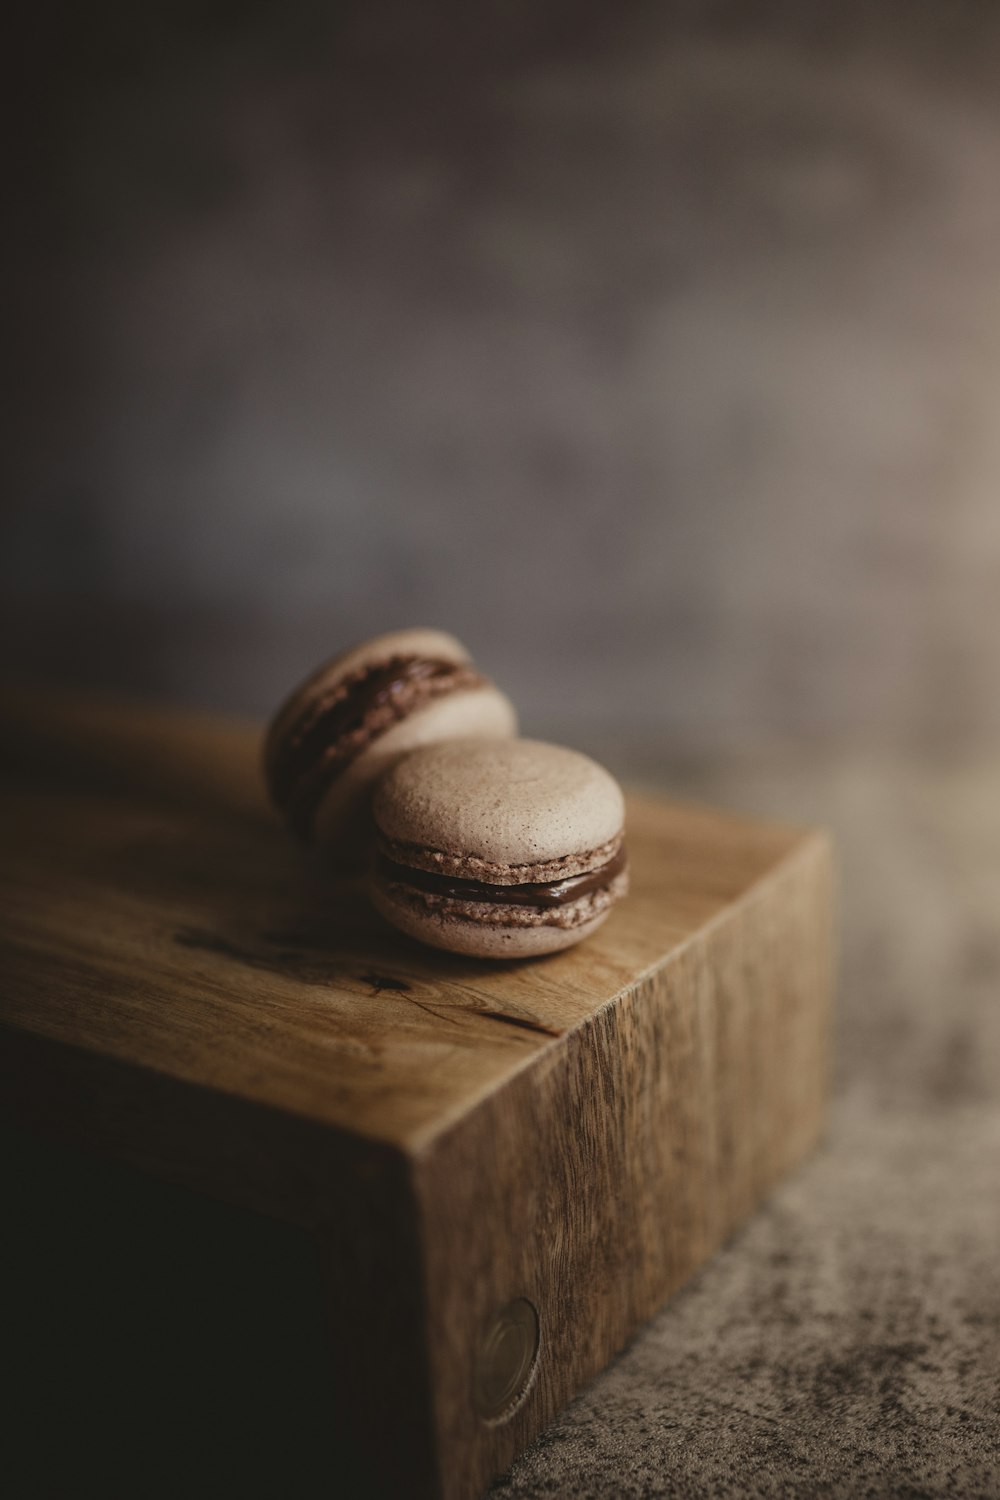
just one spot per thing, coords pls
(433, 645)
(501, 811)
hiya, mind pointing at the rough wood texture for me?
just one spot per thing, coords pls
(182, 989)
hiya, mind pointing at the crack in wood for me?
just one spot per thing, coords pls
(522, 1022)
(380, 982)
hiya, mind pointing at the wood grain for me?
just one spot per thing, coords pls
(183, 989)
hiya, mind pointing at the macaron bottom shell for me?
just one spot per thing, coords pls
(496, 933)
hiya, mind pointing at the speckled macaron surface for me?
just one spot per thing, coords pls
(351, 720)
(500, 848)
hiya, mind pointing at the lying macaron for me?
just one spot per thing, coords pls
(355, 716)
(501, 848)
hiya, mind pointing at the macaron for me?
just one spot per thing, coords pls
(354, 717)
(499, 848)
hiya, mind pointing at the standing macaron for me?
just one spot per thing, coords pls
(359, 713)
(502, 848)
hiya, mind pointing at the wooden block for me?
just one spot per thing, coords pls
(497, 1157)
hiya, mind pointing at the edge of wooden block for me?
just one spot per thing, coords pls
(601, 1175)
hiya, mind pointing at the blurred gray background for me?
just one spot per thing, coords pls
(654, 349)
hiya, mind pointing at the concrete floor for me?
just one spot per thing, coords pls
(847, 1341)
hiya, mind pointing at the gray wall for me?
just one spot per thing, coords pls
(655, 352)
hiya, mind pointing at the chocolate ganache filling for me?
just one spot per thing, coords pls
(546, 893)
(332, 733)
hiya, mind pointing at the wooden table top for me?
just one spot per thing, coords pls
(152, 911)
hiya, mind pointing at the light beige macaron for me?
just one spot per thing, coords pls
(499, 848)
(353, 718)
